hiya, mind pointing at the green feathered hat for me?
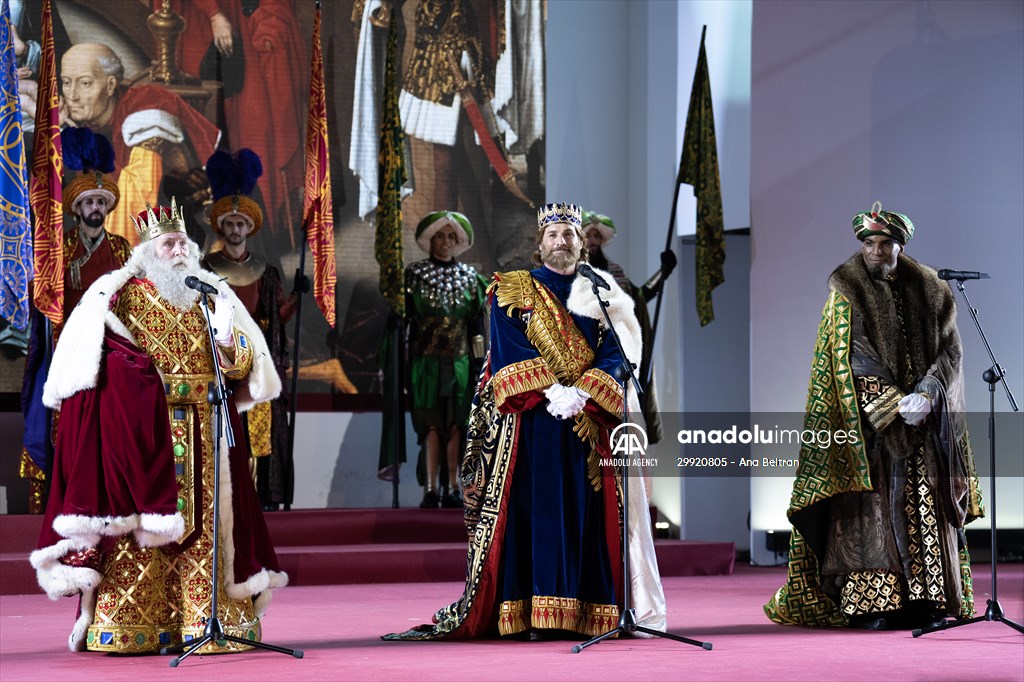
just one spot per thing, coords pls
(603, 224)
(433, 222)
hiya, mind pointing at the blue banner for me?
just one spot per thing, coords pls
(15, 228)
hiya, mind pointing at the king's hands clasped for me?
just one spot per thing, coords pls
(565, 401)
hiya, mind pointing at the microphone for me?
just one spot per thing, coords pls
(961, 275)
(193, 282)
(588, 272)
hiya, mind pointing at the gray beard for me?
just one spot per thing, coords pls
(170, 282)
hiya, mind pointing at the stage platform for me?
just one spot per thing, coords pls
(357, 546)
(339, 629)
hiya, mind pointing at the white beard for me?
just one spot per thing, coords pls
(169, 279)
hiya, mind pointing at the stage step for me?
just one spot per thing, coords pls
(350, 546)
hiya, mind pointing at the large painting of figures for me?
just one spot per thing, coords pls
(193, 76)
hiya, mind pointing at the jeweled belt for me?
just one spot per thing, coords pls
(187, 388)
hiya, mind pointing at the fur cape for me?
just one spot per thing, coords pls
(582, 302)
(929, 313)
(860, 319)
(75, 366)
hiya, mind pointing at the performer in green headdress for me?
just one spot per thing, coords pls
(444, 307)
(878, 516)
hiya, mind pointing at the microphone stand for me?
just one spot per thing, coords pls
(293, 397)
(398, 403)
(214, 631)
(991, 376)
(627, 619)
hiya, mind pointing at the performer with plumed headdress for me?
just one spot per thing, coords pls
(236, 217)
(90, 194)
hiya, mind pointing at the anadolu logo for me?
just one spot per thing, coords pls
(628, 440)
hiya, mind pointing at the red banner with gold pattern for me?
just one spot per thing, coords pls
(318, 212)
(45, 193)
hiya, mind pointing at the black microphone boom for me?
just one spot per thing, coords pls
(962, 274)
(588, 272)
(193, 282)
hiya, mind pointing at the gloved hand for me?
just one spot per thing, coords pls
(914, 408)
(222, 318)
(581, 400)
(668, 263)
(565, 401)
(302, 284)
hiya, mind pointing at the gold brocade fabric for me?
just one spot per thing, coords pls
(36, 483)
(153, 597)
(443, 33)
(871, 592)
(259, 419)
(557, 613)
(881, 591)
(823, 472)
(879, 400)
(699, 167)
(922, 561)
(521, 377)
(926, 576)
(564, 352)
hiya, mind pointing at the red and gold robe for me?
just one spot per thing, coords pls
(129, 521)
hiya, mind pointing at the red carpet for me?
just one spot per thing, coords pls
(348, 546)
(338, 627)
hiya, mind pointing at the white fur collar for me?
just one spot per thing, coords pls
(76, 359)
(620, 308)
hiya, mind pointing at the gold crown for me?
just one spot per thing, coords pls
(151, 224)
(549, 214)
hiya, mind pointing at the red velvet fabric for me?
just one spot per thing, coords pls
(113, 451)
(202, 134)
(102, 261)
(113, 458)
(521, 402)
(269, 113)
(253, 547)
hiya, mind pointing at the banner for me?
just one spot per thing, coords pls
(46, 190)
(391, 176)
(317, 204)
(16, 255)
(699, 167)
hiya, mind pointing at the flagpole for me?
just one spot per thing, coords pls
(668, 241)
(49, 439)
(387, 251)
(398, 407)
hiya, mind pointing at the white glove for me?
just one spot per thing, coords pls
(221, 318)
(581, 400)
(565, 401)
(914, 408)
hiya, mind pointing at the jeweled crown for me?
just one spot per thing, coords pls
(549, 214)
(152, 223)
